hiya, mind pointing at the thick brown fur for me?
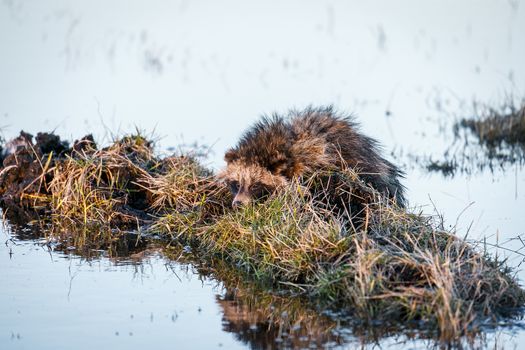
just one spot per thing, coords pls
(278, 149)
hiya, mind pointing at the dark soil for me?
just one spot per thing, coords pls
(24, 175)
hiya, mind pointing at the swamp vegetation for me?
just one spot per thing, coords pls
(491, 138)
(395, 268)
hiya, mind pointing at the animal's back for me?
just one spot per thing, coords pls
(338, 143)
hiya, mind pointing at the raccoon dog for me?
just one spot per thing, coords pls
(278, 149)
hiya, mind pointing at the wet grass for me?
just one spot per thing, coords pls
(498, 127)
(389, 266)
(491, 138)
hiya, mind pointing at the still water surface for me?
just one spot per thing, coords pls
(203, 71)
(57, 300)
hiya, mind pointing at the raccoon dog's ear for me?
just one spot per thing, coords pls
(230, 156)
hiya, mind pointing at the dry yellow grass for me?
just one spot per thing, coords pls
(90, 190)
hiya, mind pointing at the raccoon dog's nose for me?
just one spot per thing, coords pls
(236, 204)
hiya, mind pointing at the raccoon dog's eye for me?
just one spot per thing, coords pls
(234, 186)
(259, 190)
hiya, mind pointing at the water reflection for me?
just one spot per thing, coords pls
(264, 322)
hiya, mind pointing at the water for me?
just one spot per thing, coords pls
(204, 71)
(57, 301)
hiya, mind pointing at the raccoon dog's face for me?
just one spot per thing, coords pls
(249, 182)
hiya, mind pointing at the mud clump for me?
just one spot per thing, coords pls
(25, 164)
(22, 174)
(50, 143)
(19, 178)
(31, 172)
(84, 145)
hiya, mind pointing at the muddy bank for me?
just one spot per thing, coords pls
(119, 186)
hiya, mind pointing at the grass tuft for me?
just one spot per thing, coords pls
(92, 192)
